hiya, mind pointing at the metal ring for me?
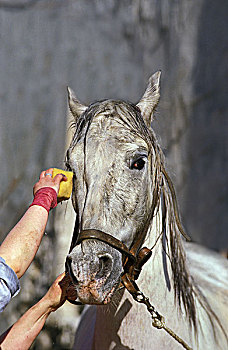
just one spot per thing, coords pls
(48, 174)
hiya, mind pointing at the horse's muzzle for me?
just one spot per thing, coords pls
(95, 266)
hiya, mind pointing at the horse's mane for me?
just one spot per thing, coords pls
(172, 230)
(184, 287)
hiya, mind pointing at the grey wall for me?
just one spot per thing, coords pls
(206, 194)
(109, 49)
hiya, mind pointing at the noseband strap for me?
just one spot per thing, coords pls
(106, 238)
(132, 262)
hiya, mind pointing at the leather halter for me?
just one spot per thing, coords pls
(132, 263)
(106, 238)
(133, 260)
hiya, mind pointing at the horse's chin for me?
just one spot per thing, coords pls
(93, 295)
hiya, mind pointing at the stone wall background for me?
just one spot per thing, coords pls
(108, 49)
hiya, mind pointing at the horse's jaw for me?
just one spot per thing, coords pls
(95, 270)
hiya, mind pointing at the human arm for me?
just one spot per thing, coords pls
(21, 244)
(22, 334)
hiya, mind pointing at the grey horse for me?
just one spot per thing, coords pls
(124, 199)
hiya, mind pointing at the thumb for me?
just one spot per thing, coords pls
(58, 178)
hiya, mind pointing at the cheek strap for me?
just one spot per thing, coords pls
(46, 197)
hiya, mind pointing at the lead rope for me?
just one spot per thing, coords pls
(158, 320)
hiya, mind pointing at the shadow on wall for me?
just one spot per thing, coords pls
(206, 199)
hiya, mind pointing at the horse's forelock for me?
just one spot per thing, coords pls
(128, 113)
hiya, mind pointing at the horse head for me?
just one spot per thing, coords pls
(120, 191)
(114, 157)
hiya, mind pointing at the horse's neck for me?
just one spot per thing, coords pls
(156, 276)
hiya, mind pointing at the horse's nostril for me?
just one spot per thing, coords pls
(105, 265)
(69, 269)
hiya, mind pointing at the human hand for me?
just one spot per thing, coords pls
(46, 180)
(57, 293)
(67, 283)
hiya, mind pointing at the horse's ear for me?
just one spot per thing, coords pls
(76, 108)
(150, 98)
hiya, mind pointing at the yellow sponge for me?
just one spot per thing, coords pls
(66, 187)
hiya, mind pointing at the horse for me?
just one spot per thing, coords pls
(168, 296)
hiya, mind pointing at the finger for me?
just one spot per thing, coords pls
(42, 175)
(49, 172)
(61, 276)
(59, 177)
(64, 178)
(60, 279)
(65, 281)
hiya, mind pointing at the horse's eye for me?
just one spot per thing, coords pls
(138, 164)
